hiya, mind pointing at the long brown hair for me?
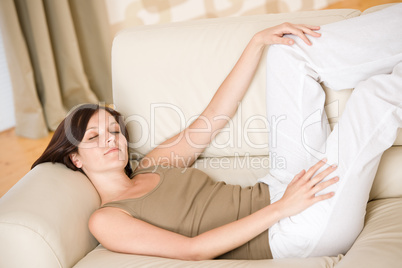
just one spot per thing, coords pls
(70, 133)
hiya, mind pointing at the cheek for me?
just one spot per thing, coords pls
(122, 140)
(87, 155)
(123, 143)
(88, 145)
(90, 148)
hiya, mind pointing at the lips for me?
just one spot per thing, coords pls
(111, 150)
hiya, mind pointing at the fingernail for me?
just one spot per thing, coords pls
(334, 165)
(324, 159)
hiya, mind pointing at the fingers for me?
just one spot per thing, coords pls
(301, 30)
(311, 171)
(311, 30)
(283, 40)
(302, 36)
(298, 176)
(323, 197)
(315, 183)
(321, 186)
(319, 177)
(317, 186)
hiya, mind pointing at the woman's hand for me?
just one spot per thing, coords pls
(301, 191)
(275, 35)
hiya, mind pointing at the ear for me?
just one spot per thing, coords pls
(75, 159)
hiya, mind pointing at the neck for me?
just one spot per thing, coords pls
(110, 185)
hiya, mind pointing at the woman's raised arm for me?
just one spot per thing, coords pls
(184, 148)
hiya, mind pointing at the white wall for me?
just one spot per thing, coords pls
(7, 115)
(128, 13)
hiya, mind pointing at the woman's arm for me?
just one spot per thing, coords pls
(119, 232)
(116, 230)
(184, 148)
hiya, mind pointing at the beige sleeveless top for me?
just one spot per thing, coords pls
(188, 202)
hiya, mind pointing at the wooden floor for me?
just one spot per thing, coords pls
(360, 4)
(18, 154)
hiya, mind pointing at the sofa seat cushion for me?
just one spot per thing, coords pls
(377, 246)
(101, 257)
(380, 242)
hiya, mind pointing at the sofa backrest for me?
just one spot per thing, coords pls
(165, 75)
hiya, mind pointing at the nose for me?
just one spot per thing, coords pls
(111, 138)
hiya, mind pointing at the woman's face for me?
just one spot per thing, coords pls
(103, 148)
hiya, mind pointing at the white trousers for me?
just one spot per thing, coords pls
(364, 53)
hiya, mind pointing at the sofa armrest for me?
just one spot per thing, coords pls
(380, 242)
(43, 218)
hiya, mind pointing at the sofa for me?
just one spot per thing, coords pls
(163, 76)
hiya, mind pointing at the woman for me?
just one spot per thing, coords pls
(92, 141)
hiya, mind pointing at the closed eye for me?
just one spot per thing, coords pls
(93, 137)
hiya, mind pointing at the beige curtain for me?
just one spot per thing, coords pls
(58, 52)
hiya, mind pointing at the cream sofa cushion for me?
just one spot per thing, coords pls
(102, 258)
(44, 218)
(380, 242)
(388, 180)
(165, 75)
